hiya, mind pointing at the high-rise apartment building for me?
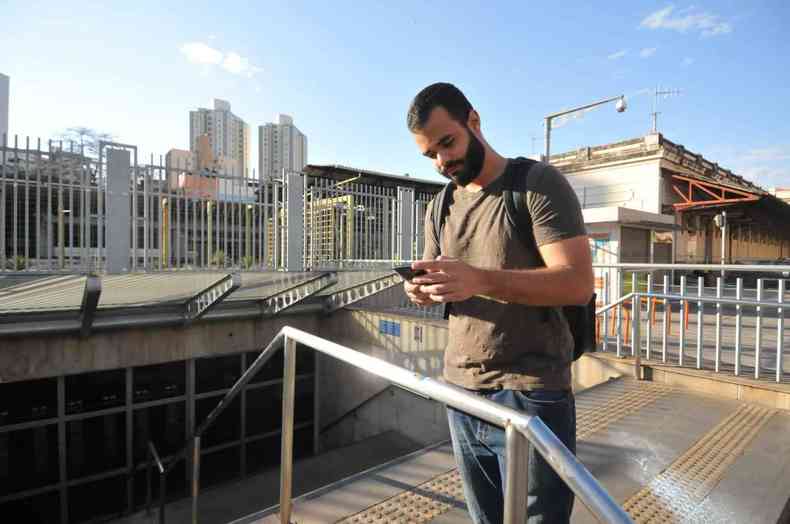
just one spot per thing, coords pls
(4, 96)
(281, 146)
(228, 135)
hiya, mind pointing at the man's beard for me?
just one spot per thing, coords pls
(470, 165)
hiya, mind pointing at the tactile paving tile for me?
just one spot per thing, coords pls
(631, 397)
(676, 493)
(436, 496)
(420, 504)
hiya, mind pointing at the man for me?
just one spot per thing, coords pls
(507, 339)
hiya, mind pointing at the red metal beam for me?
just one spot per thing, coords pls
(680, 194)
(681, 206)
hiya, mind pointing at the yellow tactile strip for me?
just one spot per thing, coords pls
(422, 503)
(676, 493)
(436, 496)
(630, 398)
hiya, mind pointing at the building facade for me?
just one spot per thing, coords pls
(281, 146)
(228, 135)
(4, 98)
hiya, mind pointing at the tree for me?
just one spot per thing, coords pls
(83, 139)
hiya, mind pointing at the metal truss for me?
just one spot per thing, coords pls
(90, 301)
(346, 297)
(201, 303)
(281, 301)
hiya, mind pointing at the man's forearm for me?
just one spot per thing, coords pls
(554, 286)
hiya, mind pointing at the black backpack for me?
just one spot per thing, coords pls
(581, 319)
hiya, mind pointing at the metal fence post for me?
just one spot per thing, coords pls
(195, 478)
(286, 451)
(780, 290)
(738, 319)
(758, 330)
(636, 320)
(517, 479)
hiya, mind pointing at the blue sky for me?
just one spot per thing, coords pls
(346, 72)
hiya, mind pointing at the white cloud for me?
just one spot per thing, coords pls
(618, 55)
(767, 177)
(689, 19)
(768, 154)
(767, 166)
(647, 52)
(232, 62)
(199, 53)
(687, 61)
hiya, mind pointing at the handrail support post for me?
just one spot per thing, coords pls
(286, 451)
(517, 477)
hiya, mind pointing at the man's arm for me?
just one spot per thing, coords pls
(567, 278)
(560, 236)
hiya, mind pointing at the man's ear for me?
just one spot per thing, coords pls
(473, 120)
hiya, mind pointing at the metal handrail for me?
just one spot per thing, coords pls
(755, 268)
(520, 429)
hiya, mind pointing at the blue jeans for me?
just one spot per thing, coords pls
(480, 452)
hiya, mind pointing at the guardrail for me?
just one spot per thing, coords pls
(521, 430)
(735, 330)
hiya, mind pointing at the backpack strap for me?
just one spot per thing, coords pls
(514, 195)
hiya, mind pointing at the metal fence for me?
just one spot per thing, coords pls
(690, 315)
(64, 210)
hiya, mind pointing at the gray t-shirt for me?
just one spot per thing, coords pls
(495, 345)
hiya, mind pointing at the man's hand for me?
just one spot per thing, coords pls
(449, 280)
(415, 295)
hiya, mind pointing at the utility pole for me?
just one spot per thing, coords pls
(654, 114)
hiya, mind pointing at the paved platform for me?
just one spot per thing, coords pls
(667, 455)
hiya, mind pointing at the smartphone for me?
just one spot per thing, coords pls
(407, 273)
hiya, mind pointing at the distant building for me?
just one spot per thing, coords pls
(281, 146)
(651, 200)
(4, 97)
(228, 136)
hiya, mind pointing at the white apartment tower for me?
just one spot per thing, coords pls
(281, 146)
(228, 135)
(4, 96)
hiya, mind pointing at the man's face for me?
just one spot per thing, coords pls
(456, 152)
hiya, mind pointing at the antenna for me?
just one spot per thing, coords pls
(666, 93)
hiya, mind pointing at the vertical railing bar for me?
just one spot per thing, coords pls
(516, 480)
(667, 312)
(606, 293)
(196, 477)
(649, 317)
(738, 319)
(700, 320)
(717, 358)
(635, 308)
(758, 330)
(286, 453)
(780, 291)
(681, 320)
(619, 313)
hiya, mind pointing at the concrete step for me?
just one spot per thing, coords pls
(667, 455)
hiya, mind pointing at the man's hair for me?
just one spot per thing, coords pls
(440, 94)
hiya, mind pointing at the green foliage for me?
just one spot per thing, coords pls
(218, 259)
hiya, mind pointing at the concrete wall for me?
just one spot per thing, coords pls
(49, 356)
(633, 185)
(343, 388)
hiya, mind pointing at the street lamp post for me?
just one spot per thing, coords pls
(621, 106)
